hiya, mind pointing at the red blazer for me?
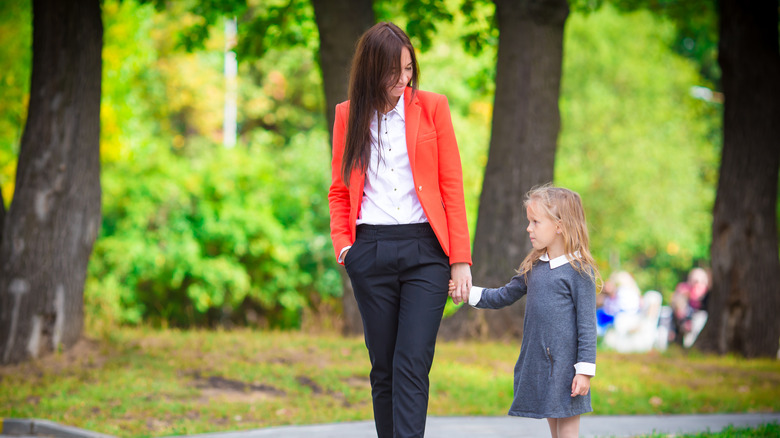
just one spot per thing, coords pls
(436, 169)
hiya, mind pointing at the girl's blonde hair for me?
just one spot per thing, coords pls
(564, 207)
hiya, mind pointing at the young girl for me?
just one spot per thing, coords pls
(558, 353)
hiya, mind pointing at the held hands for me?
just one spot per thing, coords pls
(580, 385)
(460, 282)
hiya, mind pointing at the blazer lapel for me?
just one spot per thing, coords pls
(412, 122)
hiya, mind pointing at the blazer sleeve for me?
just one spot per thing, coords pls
(451, 184)
(338, 195)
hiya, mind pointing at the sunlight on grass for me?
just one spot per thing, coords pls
(144, 382)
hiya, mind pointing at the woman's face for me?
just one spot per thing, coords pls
(396, 90)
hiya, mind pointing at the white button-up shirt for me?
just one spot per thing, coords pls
(389, 195)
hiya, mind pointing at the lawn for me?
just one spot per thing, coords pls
(146, 382)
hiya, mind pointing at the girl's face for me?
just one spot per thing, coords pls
(396, 90)
(544, 231)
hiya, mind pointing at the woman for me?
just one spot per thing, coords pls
(398, 221)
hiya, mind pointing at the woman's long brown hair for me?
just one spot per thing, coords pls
(375, 67)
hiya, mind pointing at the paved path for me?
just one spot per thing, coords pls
(454, 427)
(514, 427)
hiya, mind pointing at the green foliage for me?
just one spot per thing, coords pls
(190, 240)
(762, 431)
(194, 233)
(281, 25)
(202, 15)
(15, 60)
(481, 30)
(640, 150)
(423, 16)
(269, 24)
(421, 19)
(696, 23)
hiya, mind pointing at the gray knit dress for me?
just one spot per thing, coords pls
(559, 330)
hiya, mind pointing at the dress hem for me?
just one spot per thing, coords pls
(542, 416)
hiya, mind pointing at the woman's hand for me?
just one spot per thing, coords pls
(461, 277)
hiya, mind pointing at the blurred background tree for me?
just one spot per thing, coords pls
(523, 140)
(47, 233)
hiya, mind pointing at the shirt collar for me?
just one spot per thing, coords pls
(399, 108)
(560, 260)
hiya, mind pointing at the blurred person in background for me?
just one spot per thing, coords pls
(620, 298)
(689, 307)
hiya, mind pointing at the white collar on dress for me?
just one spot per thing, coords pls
(560, 260)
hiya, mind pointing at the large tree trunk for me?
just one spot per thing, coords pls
(745, 295)
(340, 24)
(525, 129)
(54, 217)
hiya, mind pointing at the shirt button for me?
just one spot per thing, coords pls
(419, 188)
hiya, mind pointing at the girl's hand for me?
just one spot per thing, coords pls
(580, 385)
(460, 274)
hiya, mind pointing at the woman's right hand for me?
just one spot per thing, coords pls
(461, 278)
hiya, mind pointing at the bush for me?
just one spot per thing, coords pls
(221, 236)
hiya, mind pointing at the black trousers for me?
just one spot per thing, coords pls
(400, 276)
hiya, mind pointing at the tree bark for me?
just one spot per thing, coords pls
(54, 217)
(340, 24)
(526, 121)
(745, 294)
(2, 214)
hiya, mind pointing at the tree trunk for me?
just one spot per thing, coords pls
(525, 129)
(745, 294)
(54, 217)
(2, 214)
(340, 24)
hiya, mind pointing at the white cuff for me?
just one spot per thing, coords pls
(588, 369)
(341, 254)
(475, 295)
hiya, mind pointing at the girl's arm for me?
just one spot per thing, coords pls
(584, 296)
(497, 298)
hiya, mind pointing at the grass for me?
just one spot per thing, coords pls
(145, 382)
(763, 431)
